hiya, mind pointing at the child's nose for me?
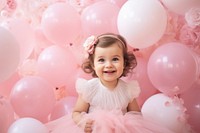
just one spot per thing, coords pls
(108, 64)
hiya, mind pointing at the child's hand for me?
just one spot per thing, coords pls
(88, 126)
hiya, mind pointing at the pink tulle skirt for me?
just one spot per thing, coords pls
(108, 122)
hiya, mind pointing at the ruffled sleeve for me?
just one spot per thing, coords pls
(86, 88)
(133, 89)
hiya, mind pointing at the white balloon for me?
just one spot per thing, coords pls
(166, 111)
(142, 22)
(27, 125)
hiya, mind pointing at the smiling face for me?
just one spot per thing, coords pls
(109, 64)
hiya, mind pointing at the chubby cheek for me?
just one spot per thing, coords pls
(97, 69)
(120, 69)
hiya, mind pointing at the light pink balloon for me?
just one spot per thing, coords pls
(61, 23)
(57, 65)
(96, 21)
(6, 114)
(32, 96)
(63, 107)
(9, 54)
(172, 68)
(191, 99)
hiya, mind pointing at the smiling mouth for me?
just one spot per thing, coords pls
(109, 71)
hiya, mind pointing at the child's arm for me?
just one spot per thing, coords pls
(133, 106)
(82, 106)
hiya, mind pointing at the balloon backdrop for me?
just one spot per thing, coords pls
(41, 55)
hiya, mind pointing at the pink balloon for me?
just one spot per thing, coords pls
(61, 23)
(57, 65)
(6, 115)
(191, 99)
(96, 21)
(63, 107)
(172, 68)
(33, 96)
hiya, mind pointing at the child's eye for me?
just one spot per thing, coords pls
(101, 60)
(115, 59)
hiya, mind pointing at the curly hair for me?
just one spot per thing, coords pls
(106, 40)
